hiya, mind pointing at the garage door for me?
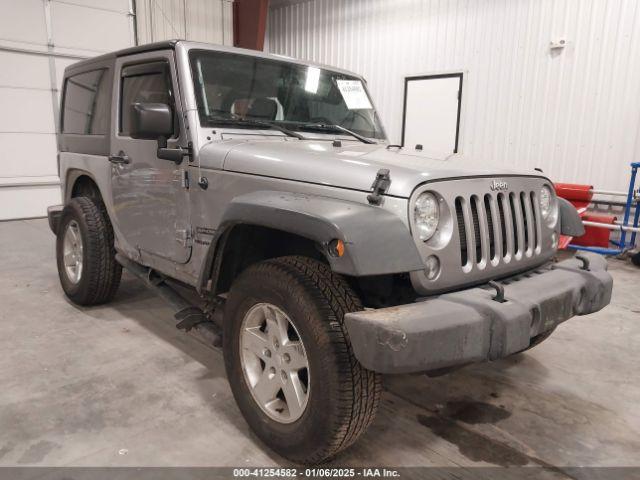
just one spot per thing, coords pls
(38, 39)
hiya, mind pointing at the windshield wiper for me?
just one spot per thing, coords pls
(255, 123)
(338, 128)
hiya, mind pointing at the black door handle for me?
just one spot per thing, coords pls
(121, 158)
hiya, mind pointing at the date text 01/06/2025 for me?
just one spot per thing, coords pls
(316, 473)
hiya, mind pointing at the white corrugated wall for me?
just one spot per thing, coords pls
(573, 112)
(208, 21)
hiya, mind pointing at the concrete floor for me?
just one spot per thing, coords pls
(119, 385)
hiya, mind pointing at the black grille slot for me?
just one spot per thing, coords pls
(532, 197)
(503, 225)
(462, 232)
(476, 227)
(514, 222)
(523, 199)
(489, 213)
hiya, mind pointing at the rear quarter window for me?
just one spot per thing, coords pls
(86, 103)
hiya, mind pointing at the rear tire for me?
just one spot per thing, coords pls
(88, 271)
(342, 396)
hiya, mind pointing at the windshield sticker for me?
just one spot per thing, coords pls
(354, 94)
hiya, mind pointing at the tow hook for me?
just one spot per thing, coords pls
(499, 296)
(585, 262)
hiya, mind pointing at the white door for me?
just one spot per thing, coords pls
(432, 112)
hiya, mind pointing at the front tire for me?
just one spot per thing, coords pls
(295, 307)
(88, 271)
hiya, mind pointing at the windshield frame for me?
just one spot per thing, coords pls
(289, 124)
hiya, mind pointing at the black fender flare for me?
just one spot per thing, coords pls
(73, 174)
(570, 221)
(376, 241)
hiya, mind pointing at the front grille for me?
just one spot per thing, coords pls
(497, 228)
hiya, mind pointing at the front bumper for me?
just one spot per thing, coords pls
(468, 326)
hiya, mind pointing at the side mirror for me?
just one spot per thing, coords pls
(150, 121)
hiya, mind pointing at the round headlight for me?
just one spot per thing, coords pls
(426, 214)
(548, 204)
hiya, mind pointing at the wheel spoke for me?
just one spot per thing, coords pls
(74, 234)
(297, 356)
(255, 341)
(276, 325)
(294, 394)
(69, 259)
(267, 387)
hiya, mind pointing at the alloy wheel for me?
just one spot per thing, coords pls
(274, 362)
(72, 250)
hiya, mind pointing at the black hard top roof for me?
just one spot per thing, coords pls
(109, 58)
(149, 47)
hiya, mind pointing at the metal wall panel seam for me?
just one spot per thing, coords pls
(53, 77)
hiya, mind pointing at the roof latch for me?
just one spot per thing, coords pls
(380, 186)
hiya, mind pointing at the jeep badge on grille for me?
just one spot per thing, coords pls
(499, 185)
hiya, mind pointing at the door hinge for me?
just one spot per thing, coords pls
(184, 236)
(184, 180)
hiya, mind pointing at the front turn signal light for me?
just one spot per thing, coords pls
(336, 248)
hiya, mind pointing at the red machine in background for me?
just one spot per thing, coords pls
(580, 197)
(598, 227)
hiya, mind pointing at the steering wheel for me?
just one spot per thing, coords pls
(351, 116)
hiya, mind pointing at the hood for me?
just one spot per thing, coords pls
(353, 165)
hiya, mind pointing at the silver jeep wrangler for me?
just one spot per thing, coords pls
(322, 256)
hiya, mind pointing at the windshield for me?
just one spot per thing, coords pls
(298, 97)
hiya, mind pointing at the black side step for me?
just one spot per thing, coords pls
(189, 316)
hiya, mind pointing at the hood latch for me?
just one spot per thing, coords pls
(380, 186)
